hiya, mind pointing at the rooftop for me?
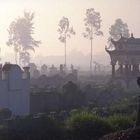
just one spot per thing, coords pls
(131, 40)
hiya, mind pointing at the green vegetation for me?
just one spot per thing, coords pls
(120, 122)
(87, 126)
(78, 125)
(84, 113)
(5, 113)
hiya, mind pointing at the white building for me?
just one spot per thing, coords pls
(15, 89)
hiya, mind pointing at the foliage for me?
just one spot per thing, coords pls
(117, 29)
(125, 106)
(80, 125)
(5, 113)
(65, 31)
(92, 23)
(32, 128)
(120, 122)
(20, 36)
(92, 27)
(87, 126)
(25, 57)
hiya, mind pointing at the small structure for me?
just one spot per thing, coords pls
(126, 54)
(15, 89)
(53, 71)
(61, 70)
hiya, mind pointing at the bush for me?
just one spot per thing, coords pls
(120, 122)
(33, 129)
(87, 126)
(5, 113)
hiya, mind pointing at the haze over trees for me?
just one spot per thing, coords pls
(20, 37)
(44, 69)
(92, 27)
(65, 32)
(117, 29)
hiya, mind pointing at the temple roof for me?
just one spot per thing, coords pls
(123, 52)
(131, 40)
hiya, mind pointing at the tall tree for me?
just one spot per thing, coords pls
(117, 29)
(92, 27)
(20, 37)
(65, 32)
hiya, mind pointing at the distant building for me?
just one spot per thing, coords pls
(125, 56)
(15, 89)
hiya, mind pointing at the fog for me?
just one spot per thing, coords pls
(47, 16)
(69, 70)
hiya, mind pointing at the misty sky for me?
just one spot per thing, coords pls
(49, 12)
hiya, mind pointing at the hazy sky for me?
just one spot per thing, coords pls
(49, 12)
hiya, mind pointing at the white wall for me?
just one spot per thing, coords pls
(15, 92)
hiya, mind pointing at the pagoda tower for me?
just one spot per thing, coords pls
(126, 56)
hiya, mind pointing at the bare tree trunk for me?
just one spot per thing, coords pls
(91, 57)
(65, 52)
(16, 57)
(24, 61)
(19, 59)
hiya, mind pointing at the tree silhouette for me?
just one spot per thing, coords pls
(20, 37)
(33, 68)
(44, 69)
(73, 97)
(65, 32)
(118, 29)
(92, 27)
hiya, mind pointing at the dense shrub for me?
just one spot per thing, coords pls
(120, 122)
(125, 106)
(5, 113)
(87, 126)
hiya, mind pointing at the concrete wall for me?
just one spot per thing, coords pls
(15, 91)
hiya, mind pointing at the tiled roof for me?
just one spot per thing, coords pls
(133, 40)
(130, 40)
